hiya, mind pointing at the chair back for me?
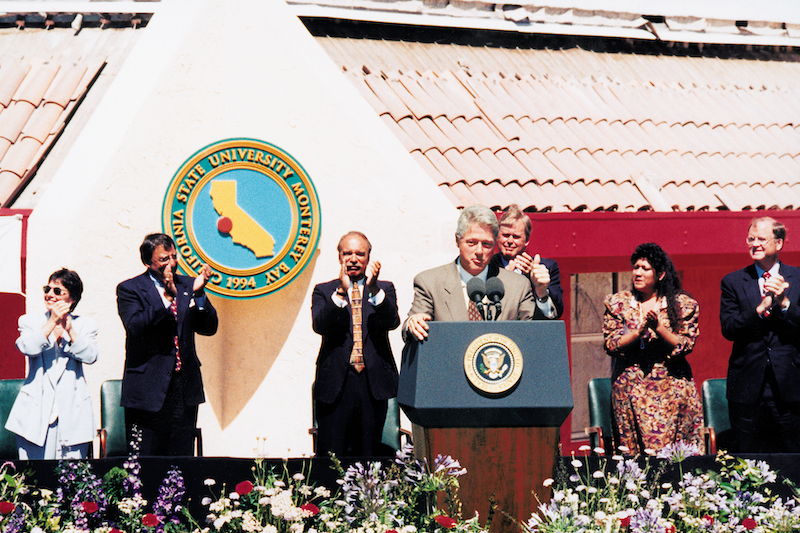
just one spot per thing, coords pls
(112, 418)
(715, 405)
(391, 427)
(9, 389)
(600, 411)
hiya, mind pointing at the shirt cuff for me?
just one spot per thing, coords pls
(546, 307)
(337, 300)
(377, 298)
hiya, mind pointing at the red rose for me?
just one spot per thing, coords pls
(6, 507)
(625, 522)
(311, 508)
(749, 523)
(670, 529)
(115, 530)
(390, 531)
(445, 521)
(89, 507)
(245, 487)
(150, 520)
(708, 519)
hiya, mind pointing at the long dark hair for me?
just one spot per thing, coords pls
(670, 285)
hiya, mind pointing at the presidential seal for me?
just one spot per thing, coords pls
(248, 210)
(493, 363)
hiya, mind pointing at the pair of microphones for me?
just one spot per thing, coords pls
(493, 288)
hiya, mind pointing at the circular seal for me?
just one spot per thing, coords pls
(248, 210)
(493, 363)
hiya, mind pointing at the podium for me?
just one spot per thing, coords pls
(492, 395)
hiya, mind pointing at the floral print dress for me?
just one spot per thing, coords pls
(654, 398)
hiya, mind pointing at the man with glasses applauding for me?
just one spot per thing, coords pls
(760, 313)
(161, 312)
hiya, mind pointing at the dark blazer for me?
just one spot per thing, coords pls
(556, 293)
(150, 345)
(756, 340)
(334, 324)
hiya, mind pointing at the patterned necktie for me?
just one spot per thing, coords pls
(356, 356)
(473, 313)
(174, 308)
(766, 276)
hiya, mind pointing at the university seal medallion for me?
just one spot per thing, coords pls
(247, 209)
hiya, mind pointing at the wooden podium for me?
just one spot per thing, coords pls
(507, 440)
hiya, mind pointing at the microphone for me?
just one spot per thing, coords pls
(476, 290)
(496, 291)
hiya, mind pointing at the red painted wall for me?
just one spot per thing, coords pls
(704, 246)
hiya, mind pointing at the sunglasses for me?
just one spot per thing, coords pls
(58, 291)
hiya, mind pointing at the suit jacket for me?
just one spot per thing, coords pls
(757, 341)
(556, 294)
(334, 323)
(150, 345)
(55, 380)
(439, 293)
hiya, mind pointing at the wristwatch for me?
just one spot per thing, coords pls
(544, 298)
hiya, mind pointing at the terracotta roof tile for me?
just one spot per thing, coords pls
(42, 121)
(366, 92)
(404, 138)
(14, 118)
(464, 194)
(36, 83)
(417, 135)
(18, 157)
(469, 165)
(11, 77)
(5, 144)
(447, 171)
(561, 129)
(62, 88)
(388, 97)
(9, 184)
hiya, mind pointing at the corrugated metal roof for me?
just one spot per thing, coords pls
(589, 128)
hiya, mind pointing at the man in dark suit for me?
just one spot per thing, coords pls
(440, 293)
(161, 311)
(356, 373)
(512, 243)
(760, 313)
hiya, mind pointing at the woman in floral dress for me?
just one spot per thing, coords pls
(648, 332)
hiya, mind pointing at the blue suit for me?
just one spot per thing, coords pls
(764, 361)
(150, 329)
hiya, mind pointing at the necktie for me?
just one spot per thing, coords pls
(356, 356)
(766, 276)
(473, 313)
(174, 308)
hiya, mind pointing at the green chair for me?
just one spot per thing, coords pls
(9, 389)
(113, 441)
(717, 430)
(113, 438)
(600, 417)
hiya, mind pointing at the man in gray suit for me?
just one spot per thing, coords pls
(440, 293)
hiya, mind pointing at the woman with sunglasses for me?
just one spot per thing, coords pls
(52, 415)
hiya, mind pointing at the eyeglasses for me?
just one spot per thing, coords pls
(165, 259)
(58, 291)
(758, 241)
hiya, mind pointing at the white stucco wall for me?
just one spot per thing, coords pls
(203, 71)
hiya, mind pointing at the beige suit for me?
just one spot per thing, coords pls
(438, 292)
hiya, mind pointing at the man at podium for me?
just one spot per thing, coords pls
(442, 293)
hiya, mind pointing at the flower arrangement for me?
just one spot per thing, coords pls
(621, 495)
(372, 498)
(627, 495)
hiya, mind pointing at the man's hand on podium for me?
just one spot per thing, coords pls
(417, 325)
